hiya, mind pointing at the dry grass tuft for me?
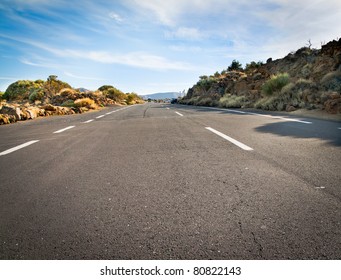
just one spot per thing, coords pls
(85, 102)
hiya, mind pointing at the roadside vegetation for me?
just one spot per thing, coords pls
(25, 99)
(305, 79)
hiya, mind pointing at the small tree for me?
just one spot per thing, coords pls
(203, 77)
(235, 66)
(53, 85)
(253, 65)
(216, 74)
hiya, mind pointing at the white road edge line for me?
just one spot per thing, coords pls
(18, 147)
(233, 141)
(101, 116)
(66, 128)
(278, 117)
(258, 114)
(122, 108)
(236, 111)
(179, 114)
(88, 121)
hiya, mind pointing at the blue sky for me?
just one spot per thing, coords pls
(149, 46)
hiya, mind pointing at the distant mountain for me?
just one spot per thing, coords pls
(162, 95)
(82, 89)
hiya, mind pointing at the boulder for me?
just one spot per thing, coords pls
(33, 112)
(12, 111)
(4, 119)
(24, 114)
(49, 107)
(7, 119)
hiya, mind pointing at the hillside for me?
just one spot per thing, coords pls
(25, 99)
(305, 79)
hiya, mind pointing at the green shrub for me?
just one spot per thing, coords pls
(1, 95)
(306, 70)
(69, 103)
(206, 101)
(133, 98)
(288, 89)
(115, 94)
(193, 101)
(53, 86)
(231, 101)
(292, 93)
(253, 66)
(105, 88)
(332, 81)
(267, 103)
(280, 105)
(205, 82)
(36, 94)
(21, 90)
(303, 84)
(275, 84)
(34, 90)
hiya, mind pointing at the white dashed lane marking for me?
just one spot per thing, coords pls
(230, 139)
(181, 115)
(11, 150)
(89, 121)
(18, 147)
(66, 128)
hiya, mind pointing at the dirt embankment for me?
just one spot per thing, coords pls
(308, 79)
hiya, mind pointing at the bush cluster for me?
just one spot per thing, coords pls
(232, 101)
(21, 90)
(275, 84)
(84, 102)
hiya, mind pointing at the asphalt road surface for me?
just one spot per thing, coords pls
(161, 181)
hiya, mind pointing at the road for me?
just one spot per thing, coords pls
(162, 181)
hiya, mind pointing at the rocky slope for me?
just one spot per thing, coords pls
(305, 79)
(24, 100)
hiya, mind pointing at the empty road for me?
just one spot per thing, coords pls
(161, 181)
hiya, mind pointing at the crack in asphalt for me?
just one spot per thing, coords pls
(259, 245)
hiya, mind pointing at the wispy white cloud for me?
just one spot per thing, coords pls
(164, 11)
(39, 63)
(82, 77)
(115, 17)
(185, 48)
(134, 59)
(185, 33)
(288, 20)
